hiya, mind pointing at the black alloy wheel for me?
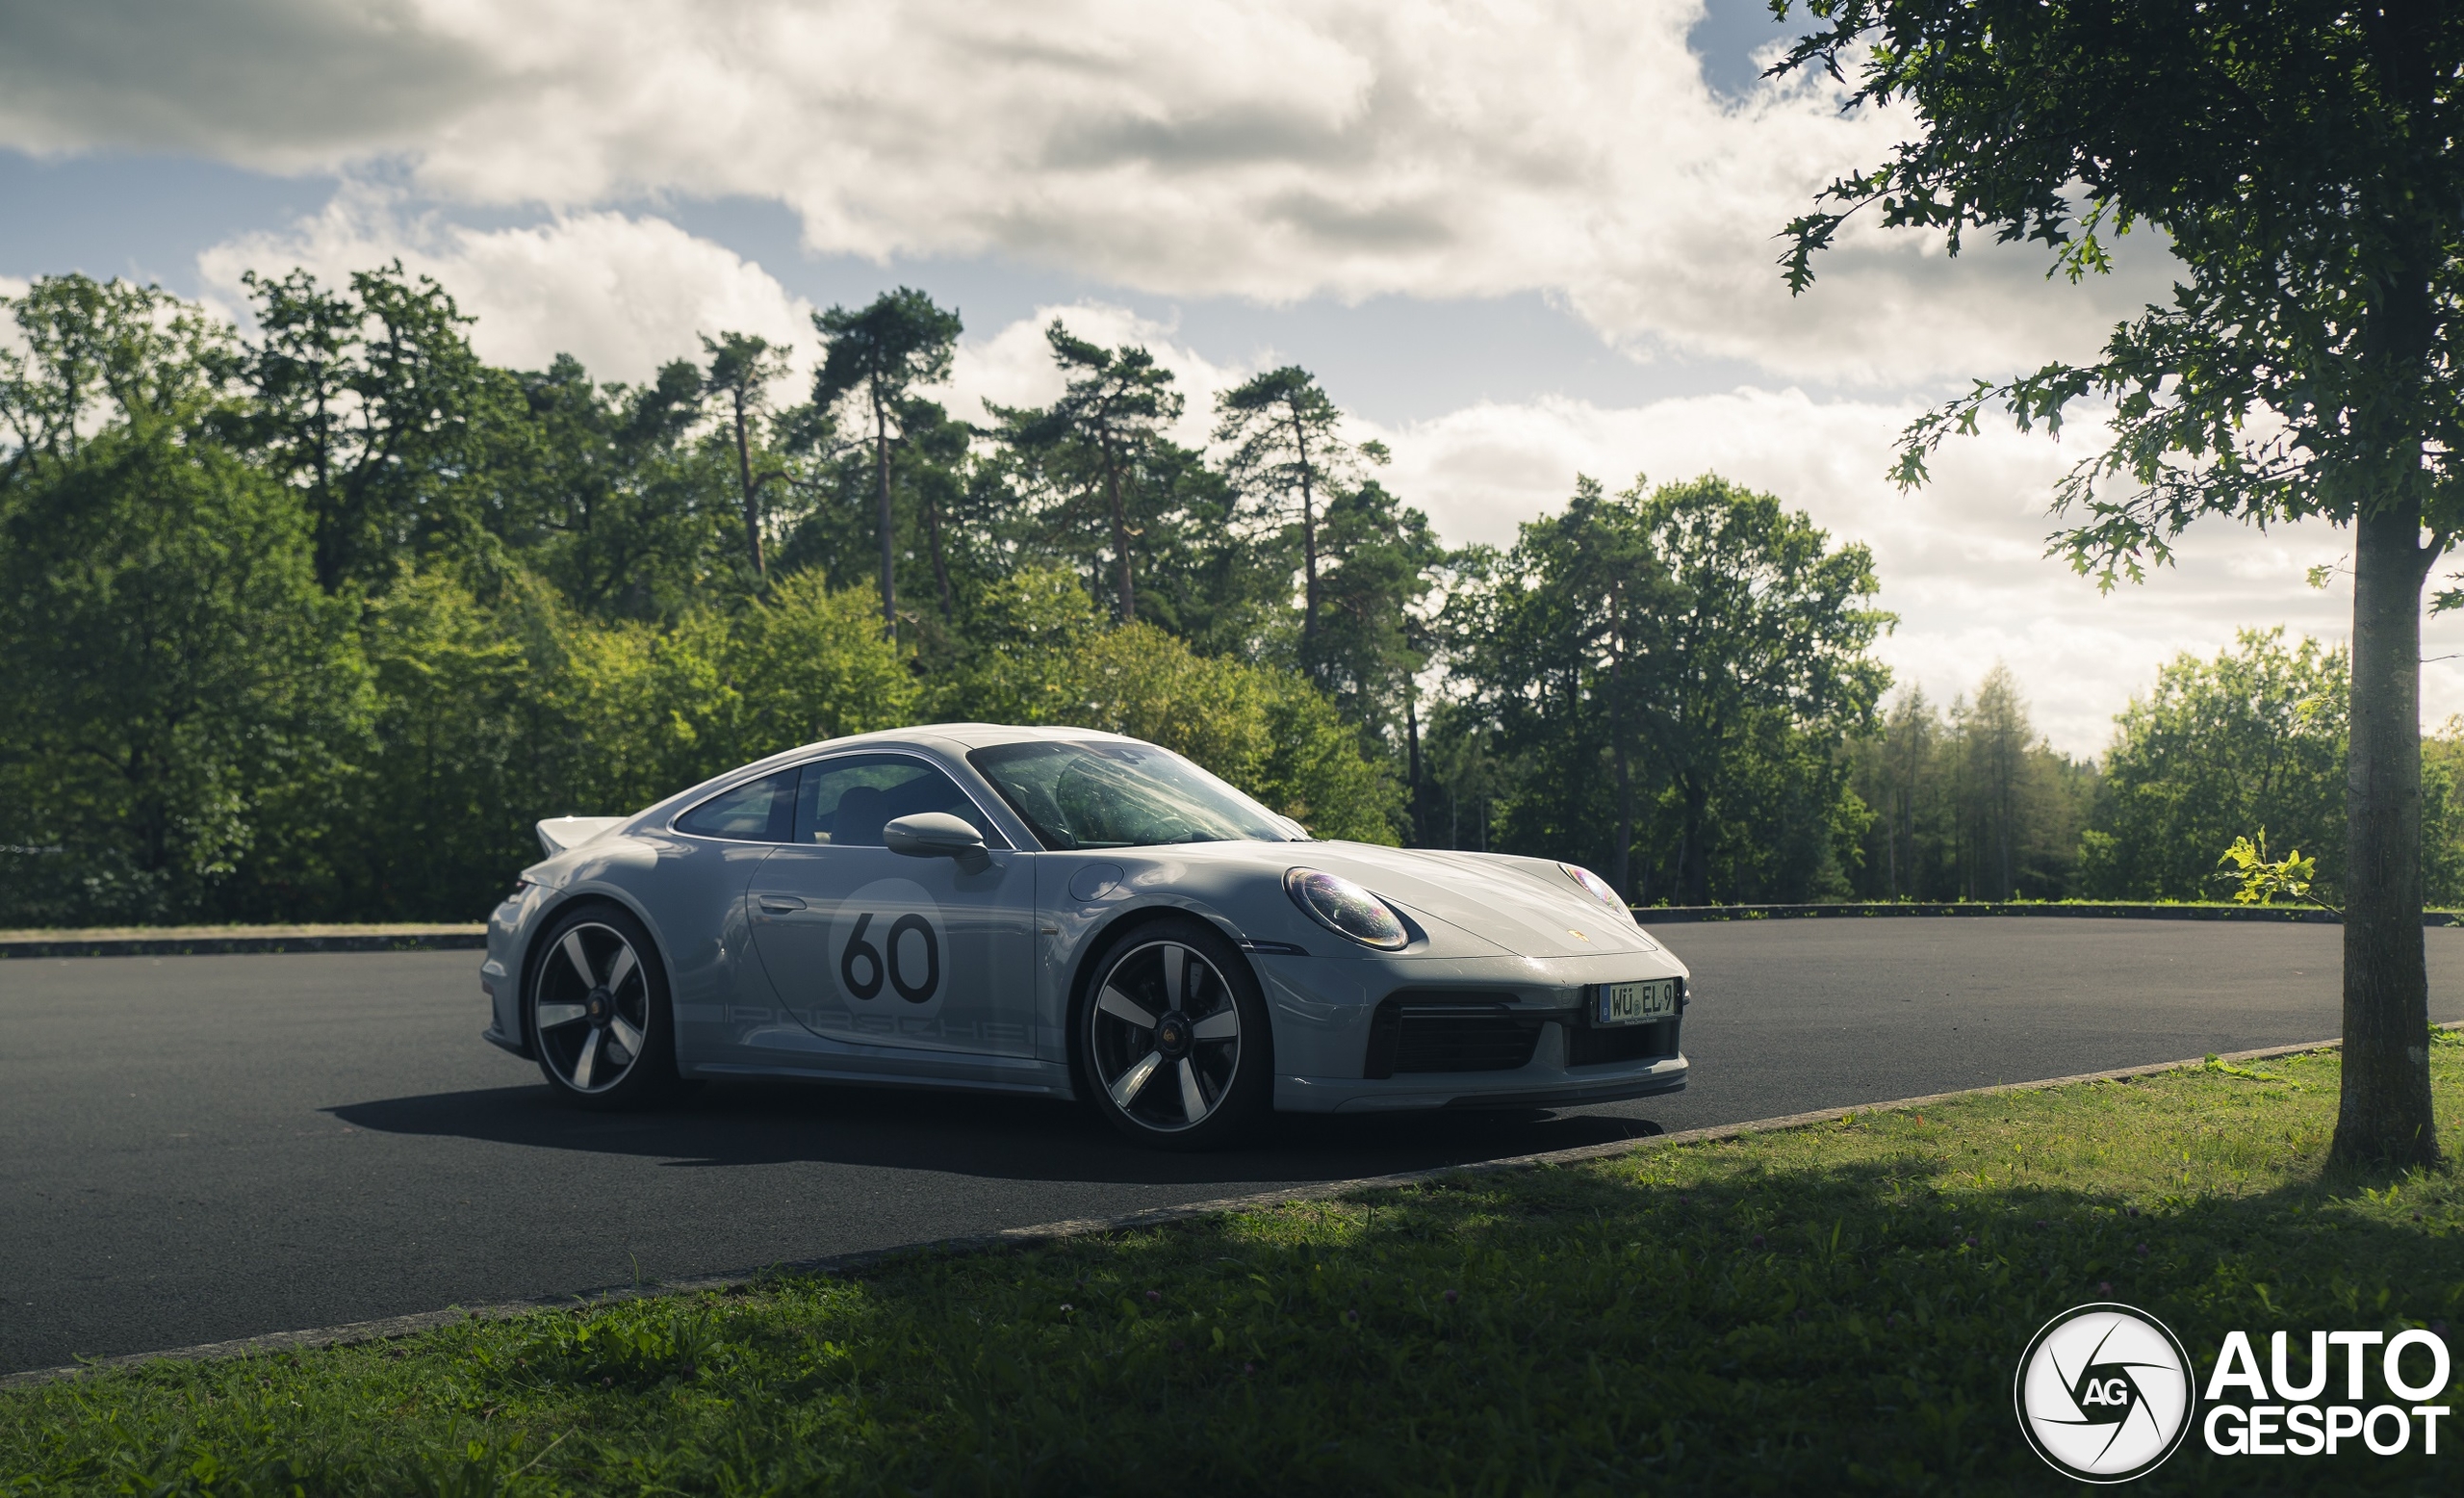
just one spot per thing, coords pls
(598, 1011)
(1172, 1038)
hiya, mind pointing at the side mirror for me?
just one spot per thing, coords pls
(937, 835)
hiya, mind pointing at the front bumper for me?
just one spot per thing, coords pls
(1531, 1087)
(1522, 1040)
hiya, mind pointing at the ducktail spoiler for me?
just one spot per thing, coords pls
(557, 833)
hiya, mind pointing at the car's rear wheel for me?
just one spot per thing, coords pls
(598, 1011)
(1172, 1038)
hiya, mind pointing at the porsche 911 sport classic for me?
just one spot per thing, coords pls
(1068, 914)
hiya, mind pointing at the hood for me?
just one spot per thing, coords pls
(1527, 906)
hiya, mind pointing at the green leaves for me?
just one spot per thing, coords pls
(1698, 646)
(183, 701)
(2253, 736)
(2258, 880)
(2297, 160)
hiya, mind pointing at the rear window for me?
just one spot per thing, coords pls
(759, 811)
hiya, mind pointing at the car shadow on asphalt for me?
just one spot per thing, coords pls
(1004, 1138)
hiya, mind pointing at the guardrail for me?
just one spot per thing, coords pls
(1683, 914)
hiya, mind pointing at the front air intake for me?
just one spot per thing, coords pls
(1441, 1030)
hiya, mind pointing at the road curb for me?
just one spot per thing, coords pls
(449, 940)
(2278, 914)
(391, 1326)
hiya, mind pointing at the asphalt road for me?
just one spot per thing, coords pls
(198, 1148)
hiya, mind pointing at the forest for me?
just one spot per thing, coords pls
(311, 618)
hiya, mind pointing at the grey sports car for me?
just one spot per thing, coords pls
(1068, 914)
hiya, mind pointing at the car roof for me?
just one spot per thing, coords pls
(947, 738)
(965, 736)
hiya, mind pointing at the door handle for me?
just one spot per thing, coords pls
(779, 904)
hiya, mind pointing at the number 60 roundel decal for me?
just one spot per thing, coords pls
(887, 943)
(862, 966)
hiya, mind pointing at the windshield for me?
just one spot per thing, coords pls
(1121, 795)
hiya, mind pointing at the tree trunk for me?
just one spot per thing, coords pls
(1890, 841)
(1124, 588)
(2385, 1112)
(881, 467)
(1411, 763)
(1694, 872)
(1621, 858)
(941, 566)
(1308, 552)
(744, 487)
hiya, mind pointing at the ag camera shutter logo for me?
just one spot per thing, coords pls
(2104, 1393)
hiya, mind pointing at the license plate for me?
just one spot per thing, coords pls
(1632, 1003)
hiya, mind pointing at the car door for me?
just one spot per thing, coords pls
(697, 893)
(873, 947)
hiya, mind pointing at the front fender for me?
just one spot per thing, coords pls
(1070, 931)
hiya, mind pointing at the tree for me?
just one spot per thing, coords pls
(741, 370)
(1764, 624)
(1974, 807)
(807, 667)
(183, 698)
(938, 473)
(2303, 162)
(1103, 433)
(901, 340)
(1548, 636)
(1900, 775)
(1373, 641)
(633, 516)
(2221, 749)
(366, 403)
(1281, 426)
(1699, 633)
(90, 355)
(446, 801)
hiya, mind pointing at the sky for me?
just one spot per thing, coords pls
(1519, 241)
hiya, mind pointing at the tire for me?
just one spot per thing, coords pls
(1170, 1037)
(596, 997)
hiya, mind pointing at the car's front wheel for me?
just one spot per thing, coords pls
(598, 1011)
(1172, 1038)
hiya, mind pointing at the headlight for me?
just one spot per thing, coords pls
(1345, 908)
(1597, 888)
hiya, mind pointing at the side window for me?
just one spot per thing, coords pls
(845, 802)
(760, 810)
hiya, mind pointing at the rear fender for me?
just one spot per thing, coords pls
(532, 953)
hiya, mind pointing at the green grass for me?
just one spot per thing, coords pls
(1832, 1308)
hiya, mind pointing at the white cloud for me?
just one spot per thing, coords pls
(1268, 148)
(1961, 561)
(623, 293)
